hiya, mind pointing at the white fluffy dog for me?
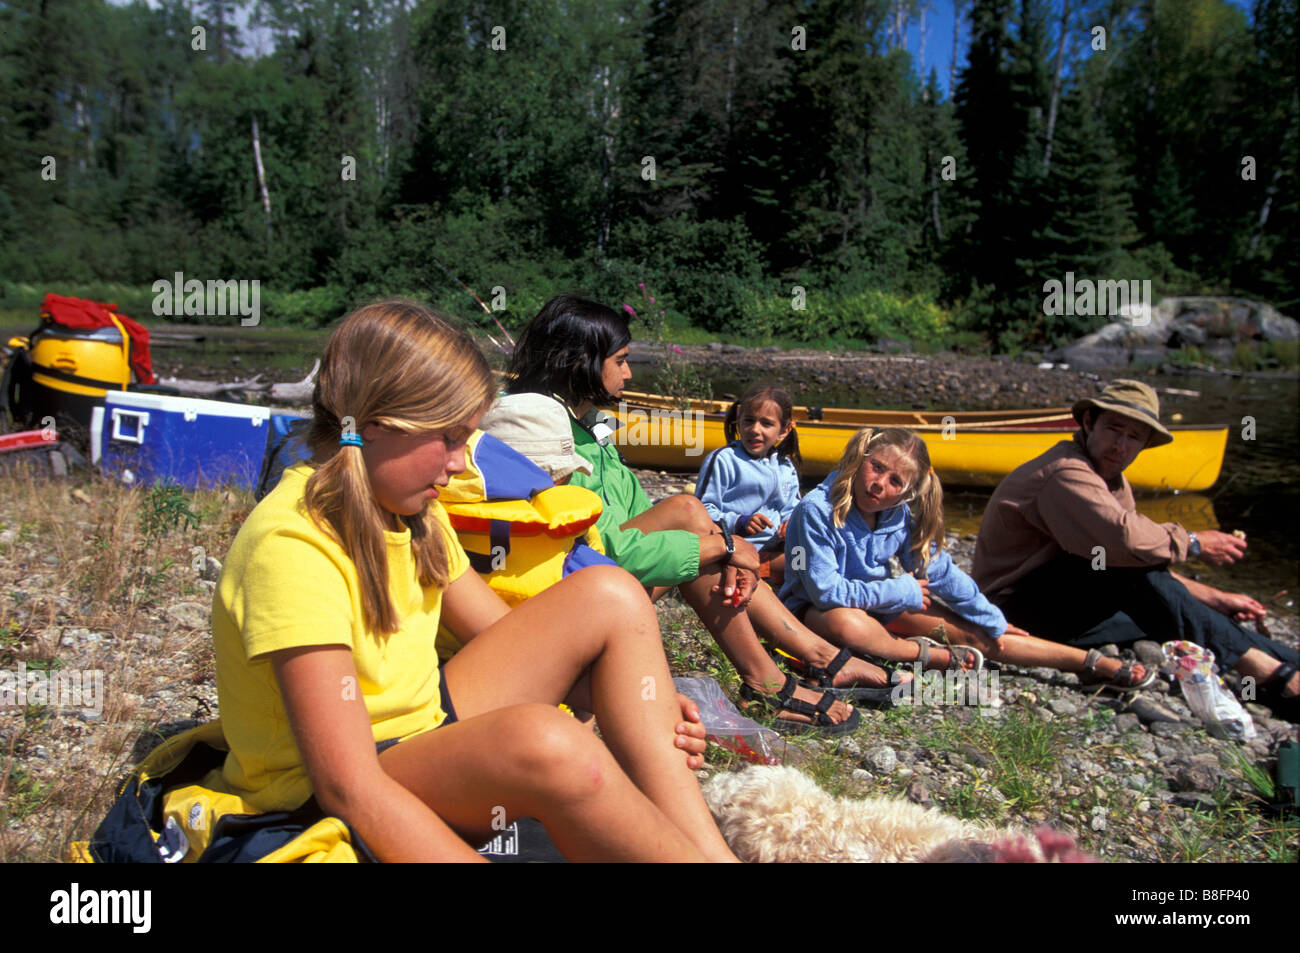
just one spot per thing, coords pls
(780, 815)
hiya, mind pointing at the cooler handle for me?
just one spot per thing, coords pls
(141, 418)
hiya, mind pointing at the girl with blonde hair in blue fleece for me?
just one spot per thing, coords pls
(867, 569)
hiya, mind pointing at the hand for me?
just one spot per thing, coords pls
(739, 574)
(1014, 630)
(753, 524)
(1240, 607)
(1220, 549)
(690, 733)
(780, 530)
(925, 593)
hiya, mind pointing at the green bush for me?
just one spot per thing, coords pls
(861, 316)
(310, 308)
(702, 268)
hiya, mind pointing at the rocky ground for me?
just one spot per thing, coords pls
(891, 379)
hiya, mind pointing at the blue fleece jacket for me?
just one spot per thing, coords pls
(739, 485)
(828, 567)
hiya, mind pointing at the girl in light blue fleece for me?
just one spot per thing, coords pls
(866, 567)
(751, 485)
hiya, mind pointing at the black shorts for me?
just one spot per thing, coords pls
(444, 699)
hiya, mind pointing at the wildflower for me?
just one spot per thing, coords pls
(628, 309)
(675, 349)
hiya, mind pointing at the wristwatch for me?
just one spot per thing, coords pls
(727, 541)
(1195, 548)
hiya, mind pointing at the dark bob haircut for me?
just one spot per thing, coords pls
(564, 348)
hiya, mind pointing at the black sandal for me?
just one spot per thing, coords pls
(1123, 681)
(784, 700)
(816, 676)
(1285, 707)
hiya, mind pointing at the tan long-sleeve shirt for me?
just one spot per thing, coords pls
(1058, 503)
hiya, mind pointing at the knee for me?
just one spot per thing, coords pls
(689, 513)
(852, 623)
(611, 588)
(556, 755)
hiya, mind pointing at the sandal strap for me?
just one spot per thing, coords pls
(825, 677)
(784, 700)
(1091, 659)
(1280, 675)
(787, 690)
(783, 696)
(924, 656)
(1124, 677)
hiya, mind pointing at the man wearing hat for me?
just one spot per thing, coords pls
(1064, 553)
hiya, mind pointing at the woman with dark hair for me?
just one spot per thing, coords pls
(576, 350)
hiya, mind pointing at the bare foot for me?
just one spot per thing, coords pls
(941, 658)
(1108, 668)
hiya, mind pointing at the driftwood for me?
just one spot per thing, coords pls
(297, 393)
(213, 389)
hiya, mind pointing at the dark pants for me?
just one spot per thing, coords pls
(1068, 601)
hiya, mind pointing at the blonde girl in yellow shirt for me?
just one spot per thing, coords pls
(325, 620)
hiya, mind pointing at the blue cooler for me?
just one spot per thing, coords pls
(153, 438)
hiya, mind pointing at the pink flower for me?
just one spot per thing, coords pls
(675, 349)
(652, 299)
(640, 284)
(628, 309)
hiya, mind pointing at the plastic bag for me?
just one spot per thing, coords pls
(726, 726)
(1206, 694)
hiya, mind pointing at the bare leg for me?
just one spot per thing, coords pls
(536, 654)
(779, 625)
(731, 629)
(1259, 666)
(766, 615)
(1026, 650)
(531, 761)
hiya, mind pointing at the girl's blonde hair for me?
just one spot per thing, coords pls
(924, 496)
(397, 365)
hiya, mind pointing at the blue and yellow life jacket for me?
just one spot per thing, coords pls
(522, 533)
(167, 813)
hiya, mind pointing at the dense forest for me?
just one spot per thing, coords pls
(756, 168)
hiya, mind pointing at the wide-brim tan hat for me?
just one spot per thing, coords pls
(1132, 399)
(538, 427)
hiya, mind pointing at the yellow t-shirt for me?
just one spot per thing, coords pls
(288, 584)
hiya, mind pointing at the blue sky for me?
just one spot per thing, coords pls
(937, 36)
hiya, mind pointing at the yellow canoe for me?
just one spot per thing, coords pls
(976, 448)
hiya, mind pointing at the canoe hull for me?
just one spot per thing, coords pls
(967, 449)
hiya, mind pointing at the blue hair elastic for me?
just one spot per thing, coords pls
(351, 440)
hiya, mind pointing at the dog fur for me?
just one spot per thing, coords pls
(780, 815)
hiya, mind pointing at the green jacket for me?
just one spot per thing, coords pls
(655, 559)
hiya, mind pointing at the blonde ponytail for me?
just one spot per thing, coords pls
(394, 365)
(926, 504)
